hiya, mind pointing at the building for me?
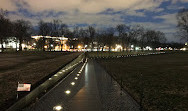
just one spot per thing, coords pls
(52, 43)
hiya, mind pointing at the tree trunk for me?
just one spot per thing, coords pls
(127, 50)
(2, 48)
(16, 47)
(123, 48)
(50, 48)
(92, 47)
(109, 48)
(142, 49)
(61, 47)
(43, 44)
(20, 45)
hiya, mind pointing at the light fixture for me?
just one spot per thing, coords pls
(67, 91)
(73, 83)
(58, 108)
(76, 78)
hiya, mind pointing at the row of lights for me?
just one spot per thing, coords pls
(133, 55)
(76, 78)
(58, 108)
(64, 70)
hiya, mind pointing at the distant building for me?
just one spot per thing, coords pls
(53, 43)
(10, 43)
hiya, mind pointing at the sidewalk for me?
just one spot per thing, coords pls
(94, 91)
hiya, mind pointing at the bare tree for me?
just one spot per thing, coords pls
(182, 18)
(124, 31)
(64, 29)
(56, 28)
(154, 38)
(44, 30)
(136, 34)
(5, 28)
(91, 33)
(22, 31)
(109, 36)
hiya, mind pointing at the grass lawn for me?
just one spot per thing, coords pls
(163, 79)
(27, 67)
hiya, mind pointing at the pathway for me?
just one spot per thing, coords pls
(94, 90)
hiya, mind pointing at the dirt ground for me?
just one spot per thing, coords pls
(27, 67)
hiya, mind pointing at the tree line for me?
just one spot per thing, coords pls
(90, 36)
(99, 38)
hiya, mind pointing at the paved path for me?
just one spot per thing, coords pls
(94, 90)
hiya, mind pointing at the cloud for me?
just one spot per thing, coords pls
(175, 1)
(90, 12)
(168, 19)
(72, 19)
(84, 6)
(19, 16)
(158, 10)
(7, 5)
(134, 13)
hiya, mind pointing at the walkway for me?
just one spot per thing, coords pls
(94, 90)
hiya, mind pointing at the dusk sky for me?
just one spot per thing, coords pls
(153, 14)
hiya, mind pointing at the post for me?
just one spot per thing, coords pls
(141, 93)
(121, 85)
(17, 96)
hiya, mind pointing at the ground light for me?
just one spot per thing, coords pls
(78, 74)
(56, 75)
(67, 91)
(76, 78)
(72, 83)
(58, 108)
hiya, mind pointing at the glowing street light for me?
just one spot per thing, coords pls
(78, 74)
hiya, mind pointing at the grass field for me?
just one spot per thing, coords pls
(160, 80)
(27, 67)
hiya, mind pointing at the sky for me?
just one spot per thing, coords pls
(152, 14)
